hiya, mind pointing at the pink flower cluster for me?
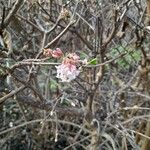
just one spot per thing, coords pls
(68, 71)
(53, 53)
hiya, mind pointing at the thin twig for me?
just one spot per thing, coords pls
(12, 12)
(12, 93)
(39, 121)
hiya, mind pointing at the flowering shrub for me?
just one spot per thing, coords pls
(67, 70)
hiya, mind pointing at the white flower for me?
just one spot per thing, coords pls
(67, 72)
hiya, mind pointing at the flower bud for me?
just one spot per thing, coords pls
(57, 53)
(47, 52)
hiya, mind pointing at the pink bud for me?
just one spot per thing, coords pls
(74, 56)
(47, 52)
(57, 53)
(71, 58)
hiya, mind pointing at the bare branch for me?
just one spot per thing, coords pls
(12, 12)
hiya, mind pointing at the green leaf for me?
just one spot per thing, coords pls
(93, 61)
